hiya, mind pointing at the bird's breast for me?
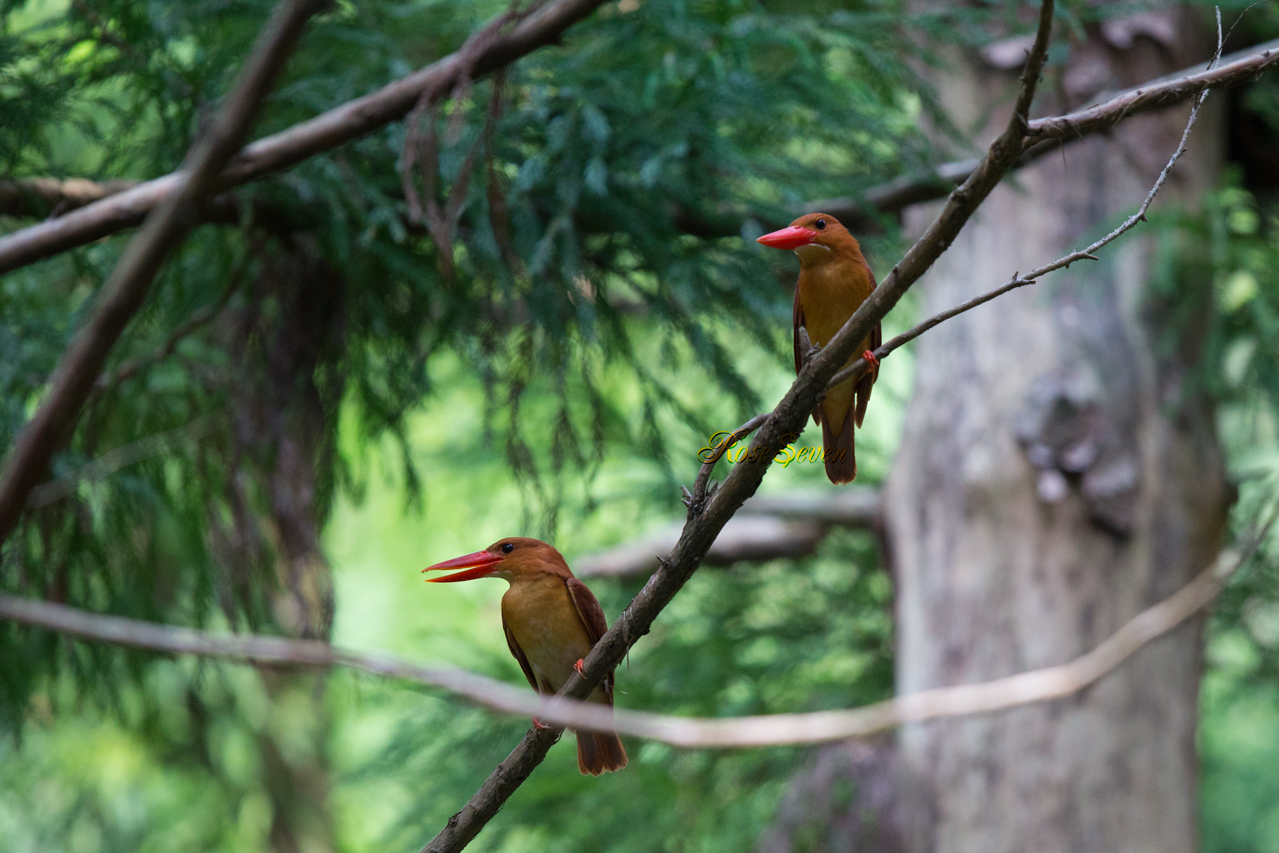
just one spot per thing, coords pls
(829, 294)
(545, 624)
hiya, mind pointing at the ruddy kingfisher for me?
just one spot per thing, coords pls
(551, 622)
(834, 280)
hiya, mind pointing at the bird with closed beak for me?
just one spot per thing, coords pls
(551, 622)
(834, 280)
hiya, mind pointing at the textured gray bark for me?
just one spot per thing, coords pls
(843, 801)
(1057, 474)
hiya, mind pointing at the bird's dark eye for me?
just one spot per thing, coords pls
(821, 224)
(507, 548)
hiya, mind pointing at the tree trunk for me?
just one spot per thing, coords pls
(282, 422)
(1058, 473)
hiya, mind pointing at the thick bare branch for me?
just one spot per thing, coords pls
(1163, 92)
(1025, 688)
(51, 196)
(790, 415)
(707, 521)
(123, 293)
(287, 148)
(1045, 135)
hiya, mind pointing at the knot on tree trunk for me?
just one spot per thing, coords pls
(1065, 432)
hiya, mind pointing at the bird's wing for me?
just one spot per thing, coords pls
(592, 616)
(798, 316)
(518, 654)
(868, 381)
(588, 609)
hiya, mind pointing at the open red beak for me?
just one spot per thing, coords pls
(478, 565)
(790, 237)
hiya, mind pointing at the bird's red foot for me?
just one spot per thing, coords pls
(871, 360)
(538, 724)
(578, 666)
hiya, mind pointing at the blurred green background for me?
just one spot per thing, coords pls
(604, 311)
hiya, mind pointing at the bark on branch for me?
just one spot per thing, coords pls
(1162, 92)
(41, 197)
(124, 292)
(1044, 136)
(1041, 685)
(1087, 254)
(706, 520)
(289, 147)
(56, 197)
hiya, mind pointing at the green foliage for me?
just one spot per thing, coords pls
(571, 225)
(598, 310)
(1231, 244)
(599, 284)
(1240, 700)
(760, 640)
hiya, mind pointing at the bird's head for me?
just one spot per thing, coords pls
(815, 237)
(508, 559)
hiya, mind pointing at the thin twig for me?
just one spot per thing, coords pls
(118, 458)
(745, 476)
(165, 228)
(860, 366)
(423, 149)
(419, 147)
(201, 316)
(1040, 685)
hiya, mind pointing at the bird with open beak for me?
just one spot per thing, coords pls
(551, 622)
(834, 280)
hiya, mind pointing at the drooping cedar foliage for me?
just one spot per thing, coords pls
(569, 240)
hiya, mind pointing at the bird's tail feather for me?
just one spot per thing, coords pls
(863, 395)
(599, 752)
(838, 453)
(868, 379)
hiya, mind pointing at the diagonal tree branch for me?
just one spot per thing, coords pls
(124, 292)
(1162, 92)
(860, 366)
(289, 147)
(1046, 135)
(705, 522)
(115, 212)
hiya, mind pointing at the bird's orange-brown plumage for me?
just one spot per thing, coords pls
(834, 280)
(551, 621)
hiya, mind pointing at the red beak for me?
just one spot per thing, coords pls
(479, 564)
(790, 237)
